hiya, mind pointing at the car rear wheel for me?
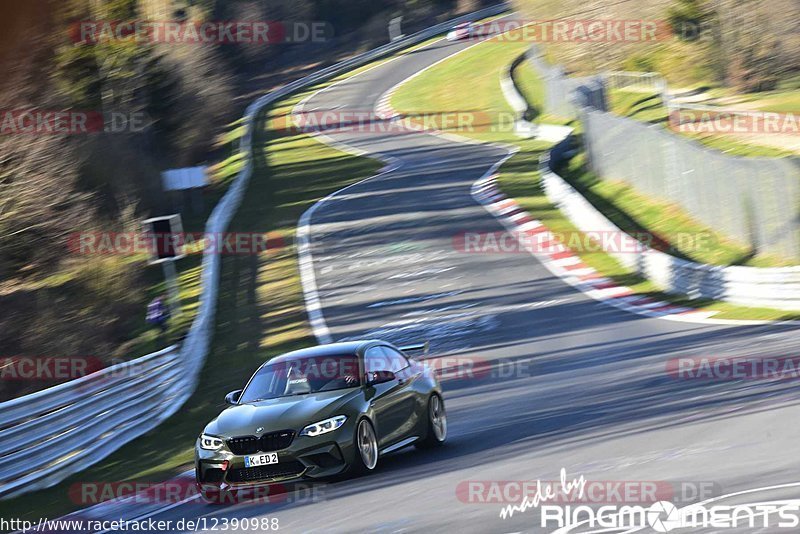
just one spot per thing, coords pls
(366, 448)
(437, 423)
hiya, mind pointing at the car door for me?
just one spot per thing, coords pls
(389, 400)
(413, 402)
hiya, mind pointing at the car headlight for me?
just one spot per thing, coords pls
(210, 443)
(323, 427)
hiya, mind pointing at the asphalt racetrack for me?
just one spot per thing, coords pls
(565, 381)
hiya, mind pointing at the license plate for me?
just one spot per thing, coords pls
(261, 459)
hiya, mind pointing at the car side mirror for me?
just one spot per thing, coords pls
(379, 377)
(232, 398)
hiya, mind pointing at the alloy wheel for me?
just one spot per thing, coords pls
(438, 418)
(367, 444)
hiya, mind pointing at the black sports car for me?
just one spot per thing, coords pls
(318, 412)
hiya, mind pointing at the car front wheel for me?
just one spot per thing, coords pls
(366, 444)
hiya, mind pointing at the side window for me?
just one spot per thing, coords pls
(375, 360)
(397, 362)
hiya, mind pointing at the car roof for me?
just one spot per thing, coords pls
(330, 349)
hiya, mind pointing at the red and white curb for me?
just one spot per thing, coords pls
(384, 109)
(568, 266)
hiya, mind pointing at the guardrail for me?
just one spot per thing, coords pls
(523, 127)
(52, 434)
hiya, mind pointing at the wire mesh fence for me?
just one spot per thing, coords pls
(755, 201)
(564, 95)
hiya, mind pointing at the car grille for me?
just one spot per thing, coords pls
(266, 472)
(273, 441)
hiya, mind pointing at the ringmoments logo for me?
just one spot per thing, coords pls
(660, 516)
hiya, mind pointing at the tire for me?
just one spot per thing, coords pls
(365, 442)
(437, 424)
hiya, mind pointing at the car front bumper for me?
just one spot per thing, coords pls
(305, 458)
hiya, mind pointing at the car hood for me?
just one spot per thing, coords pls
(285, 413)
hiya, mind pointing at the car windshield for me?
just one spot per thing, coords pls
(285, 377)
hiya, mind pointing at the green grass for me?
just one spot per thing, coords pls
(435, 91)
(642, 106)
(731, 146)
